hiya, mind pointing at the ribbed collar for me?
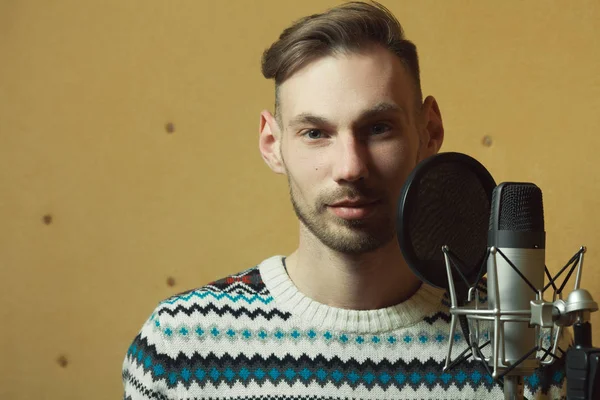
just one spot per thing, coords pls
(425, 301)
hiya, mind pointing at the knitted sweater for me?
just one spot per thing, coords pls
(255, 336)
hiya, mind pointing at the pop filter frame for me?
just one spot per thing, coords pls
(433, 271)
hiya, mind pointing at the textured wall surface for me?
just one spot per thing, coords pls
(129, 165)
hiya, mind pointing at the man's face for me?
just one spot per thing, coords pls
(350, 137)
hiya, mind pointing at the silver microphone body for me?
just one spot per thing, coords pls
(515, 271)
(514, 299)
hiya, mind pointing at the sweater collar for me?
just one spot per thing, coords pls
(426, 301)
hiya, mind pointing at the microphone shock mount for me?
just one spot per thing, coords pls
(582, 360)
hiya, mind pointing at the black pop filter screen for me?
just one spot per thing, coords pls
(445, 202)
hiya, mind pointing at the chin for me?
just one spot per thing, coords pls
(353, 242)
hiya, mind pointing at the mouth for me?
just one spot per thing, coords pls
(358, 202)
(354, 209)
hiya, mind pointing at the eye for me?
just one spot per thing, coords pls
(313, 134)
(379, 129)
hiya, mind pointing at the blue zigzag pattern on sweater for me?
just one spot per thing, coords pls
(228, 370)
(246, 286)
(201, 294)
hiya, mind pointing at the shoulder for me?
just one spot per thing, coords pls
(247, 282)
(245, 288)
(178, 324)
(240, 295)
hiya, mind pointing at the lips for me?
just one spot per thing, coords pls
(354, 209)
(353, 203)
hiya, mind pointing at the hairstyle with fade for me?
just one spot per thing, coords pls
(350, 27)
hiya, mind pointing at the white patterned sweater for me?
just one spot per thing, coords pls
(255, 336)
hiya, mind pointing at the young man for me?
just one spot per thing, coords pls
(342, 316)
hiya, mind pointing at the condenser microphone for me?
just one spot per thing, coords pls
(453, 218)
(515, 267)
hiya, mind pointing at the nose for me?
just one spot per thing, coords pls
(350, 159)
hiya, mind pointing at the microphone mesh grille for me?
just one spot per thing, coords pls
(521, 208)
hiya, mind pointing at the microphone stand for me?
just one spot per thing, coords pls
(582, 360)
(513, 387)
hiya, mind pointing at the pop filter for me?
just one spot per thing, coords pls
(445, 201)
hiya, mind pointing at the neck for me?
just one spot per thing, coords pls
(360, 282)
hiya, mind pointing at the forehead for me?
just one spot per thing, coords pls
(342, 86)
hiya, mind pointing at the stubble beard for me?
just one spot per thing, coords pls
(345, 236)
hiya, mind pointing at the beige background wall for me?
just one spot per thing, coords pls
(104, 213)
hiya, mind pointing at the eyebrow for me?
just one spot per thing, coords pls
(312, 119)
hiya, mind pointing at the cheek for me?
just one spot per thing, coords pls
(394, 164)
(395, 161)
(304, 162)
(306, 171)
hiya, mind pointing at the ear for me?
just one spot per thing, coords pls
(432, 131)
(269, 142)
